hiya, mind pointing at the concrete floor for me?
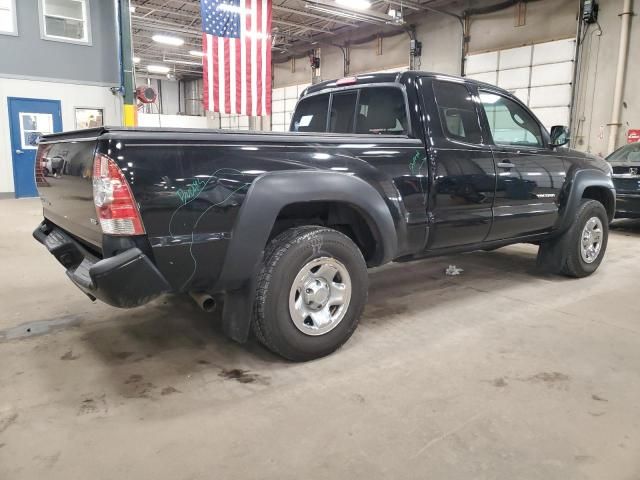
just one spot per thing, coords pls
(500, 373)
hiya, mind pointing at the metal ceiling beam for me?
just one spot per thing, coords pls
(302, 26)
(146, 22)
(313, 15)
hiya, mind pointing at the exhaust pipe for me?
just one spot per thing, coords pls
(205, 301)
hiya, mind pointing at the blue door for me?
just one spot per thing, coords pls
(29, 118)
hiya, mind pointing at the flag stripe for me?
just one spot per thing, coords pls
(215, 74)
(227, 77)
(232, 75)
(265, 46)
(268, 72)
(259, 49)
(238, 69)
(254, 64)
(250, 73)
(211, 94)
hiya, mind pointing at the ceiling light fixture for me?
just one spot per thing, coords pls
(158, 69)
(168, 40)
(352, 15)
(226, 7)
(183, 62)
(196, 53)
(356, 4)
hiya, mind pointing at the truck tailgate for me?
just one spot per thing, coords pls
(66, 188)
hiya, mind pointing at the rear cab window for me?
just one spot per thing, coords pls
(382, 110)
(311, 114)
(377, 110)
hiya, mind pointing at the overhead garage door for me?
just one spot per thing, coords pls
(540, 75)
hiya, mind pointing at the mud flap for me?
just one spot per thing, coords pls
(552, 254)
(237, 311)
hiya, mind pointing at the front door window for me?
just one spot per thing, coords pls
(510, 123)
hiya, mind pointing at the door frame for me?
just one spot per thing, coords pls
(11, 110)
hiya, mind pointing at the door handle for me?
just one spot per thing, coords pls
(506, 165)
(19, 151)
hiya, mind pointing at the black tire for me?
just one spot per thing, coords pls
(285, 257)
(563, 255)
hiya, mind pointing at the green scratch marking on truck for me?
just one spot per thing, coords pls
(416, 163)
(191, 191)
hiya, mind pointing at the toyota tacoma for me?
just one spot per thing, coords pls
(283, 226)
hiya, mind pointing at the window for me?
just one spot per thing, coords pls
(89, 118)
(627, 154)
(65, 20)
(510, 123)
(382, 110)
(311, 114)
(8, 22)
(343, 109)
(32, 127)
(458, 114)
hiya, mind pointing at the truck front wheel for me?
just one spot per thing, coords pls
(580, 250)
(311, 292)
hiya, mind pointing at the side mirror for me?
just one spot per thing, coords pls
(559, 136)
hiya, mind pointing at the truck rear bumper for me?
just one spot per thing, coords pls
(126, 280)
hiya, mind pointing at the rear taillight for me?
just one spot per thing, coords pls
(117, 211)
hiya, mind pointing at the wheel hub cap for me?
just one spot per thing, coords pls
(320, 296)
(316, 293)
(591, 240)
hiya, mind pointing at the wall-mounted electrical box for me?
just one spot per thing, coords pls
(590, 11)
(415, 48)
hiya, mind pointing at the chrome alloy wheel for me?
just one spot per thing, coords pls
(320, 296)
(591, 240)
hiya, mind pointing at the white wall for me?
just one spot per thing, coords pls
(172, 121)
(71, 97)
(597, 80)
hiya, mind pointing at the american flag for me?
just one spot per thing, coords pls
(236, 42)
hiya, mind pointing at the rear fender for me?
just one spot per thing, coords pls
(266, 197)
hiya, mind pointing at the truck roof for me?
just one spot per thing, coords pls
(386, 77)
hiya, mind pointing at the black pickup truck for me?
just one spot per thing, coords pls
(282, 227)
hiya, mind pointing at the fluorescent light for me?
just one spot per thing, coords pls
(183, 62)
(356, 4)
(136, 59)
(257, 35)
(233, 8)
(196, 53)
(168, 40)
(158, 69)
(352, 15)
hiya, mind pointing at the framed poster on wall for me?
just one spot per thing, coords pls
(89, 118)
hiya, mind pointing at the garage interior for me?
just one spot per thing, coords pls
(499, 372)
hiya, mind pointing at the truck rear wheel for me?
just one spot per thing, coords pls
(580, 250)
(311, 292)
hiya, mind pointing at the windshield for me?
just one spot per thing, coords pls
(627, 154)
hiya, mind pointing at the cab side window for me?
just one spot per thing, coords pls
(509, 122)
(382, 111)
(311, 114)
(457, 112)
